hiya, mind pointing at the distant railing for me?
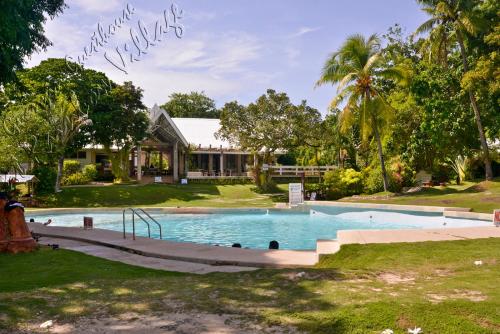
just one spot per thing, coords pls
(297, 170)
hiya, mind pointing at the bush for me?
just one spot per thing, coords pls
(75, 179)
(373, 182)
(342, 182)
(399, 175)
(46, 180)
(351, 182)
(71, 167)
(90, 172)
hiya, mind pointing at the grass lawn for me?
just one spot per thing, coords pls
(361, 289)
(192, 195)
(480, 196)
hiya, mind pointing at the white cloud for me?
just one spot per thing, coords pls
(221, 64)
(200, 16)
(304, 30)
(98, 6)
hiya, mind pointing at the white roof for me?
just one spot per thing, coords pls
(4, 178)
(201, 131)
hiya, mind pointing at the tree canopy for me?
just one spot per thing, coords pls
(22, 32)
(192, 105)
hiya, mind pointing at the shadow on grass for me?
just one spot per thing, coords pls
(66, 285)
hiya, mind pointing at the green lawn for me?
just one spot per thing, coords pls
(480, 196)
(193, 195)
(361, 289)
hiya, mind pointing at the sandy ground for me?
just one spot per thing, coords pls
(179, 323)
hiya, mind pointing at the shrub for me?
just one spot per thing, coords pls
(46, 180)
(351, 182)
(90, 172)
(75, 179)
(399, 175)
(373, 180)
(71, 167)
(343, 182)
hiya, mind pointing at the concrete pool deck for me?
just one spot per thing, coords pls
(228, 256)
(182, 251)
(114, 254)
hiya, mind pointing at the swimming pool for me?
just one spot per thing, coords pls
(293, 229)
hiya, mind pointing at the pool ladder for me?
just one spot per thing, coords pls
(139, 213)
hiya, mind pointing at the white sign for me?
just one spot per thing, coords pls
(184, 181)
(295, 194)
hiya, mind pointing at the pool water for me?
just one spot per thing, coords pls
(293, 229)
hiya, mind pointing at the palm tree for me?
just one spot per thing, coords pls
(355, 68)
(453, 20)
(66, 120)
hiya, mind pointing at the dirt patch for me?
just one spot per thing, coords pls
(471, 295)
(392, 278)
(404, 322)
(179, 323)
(443, 272)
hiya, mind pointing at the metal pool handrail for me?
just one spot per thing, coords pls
(134, 213)
(149, 216)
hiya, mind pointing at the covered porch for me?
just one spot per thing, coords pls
(217, 163)
(162, 158)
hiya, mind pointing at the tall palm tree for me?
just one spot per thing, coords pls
(355, 68)
(454, 20)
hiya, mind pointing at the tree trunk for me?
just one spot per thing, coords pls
(472, 98)
(380, 153)
(60, 167)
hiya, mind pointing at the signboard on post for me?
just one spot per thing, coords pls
(295, 196)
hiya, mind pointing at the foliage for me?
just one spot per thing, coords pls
(400, 175)
(460, 166)
(90, 172)
(120, 122)
(192, 105)
(46, 176)
(22, 32)
(356, 67)
(343, 182)
(450, 24)
(71, 167)
(75, 179)
(267, 125)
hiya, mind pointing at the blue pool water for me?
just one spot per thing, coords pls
(297, 229)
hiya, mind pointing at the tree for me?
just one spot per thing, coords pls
(65, 119)
(22, 33)
(56, 76)
(269, 124)
(191, 105)
(454, 20)
(119, 123)
(355, 68)
(25, 135)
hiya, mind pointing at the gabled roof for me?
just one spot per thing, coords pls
(201, 132)
(163, 126)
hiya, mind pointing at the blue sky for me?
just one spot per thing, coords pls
(231, 49)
